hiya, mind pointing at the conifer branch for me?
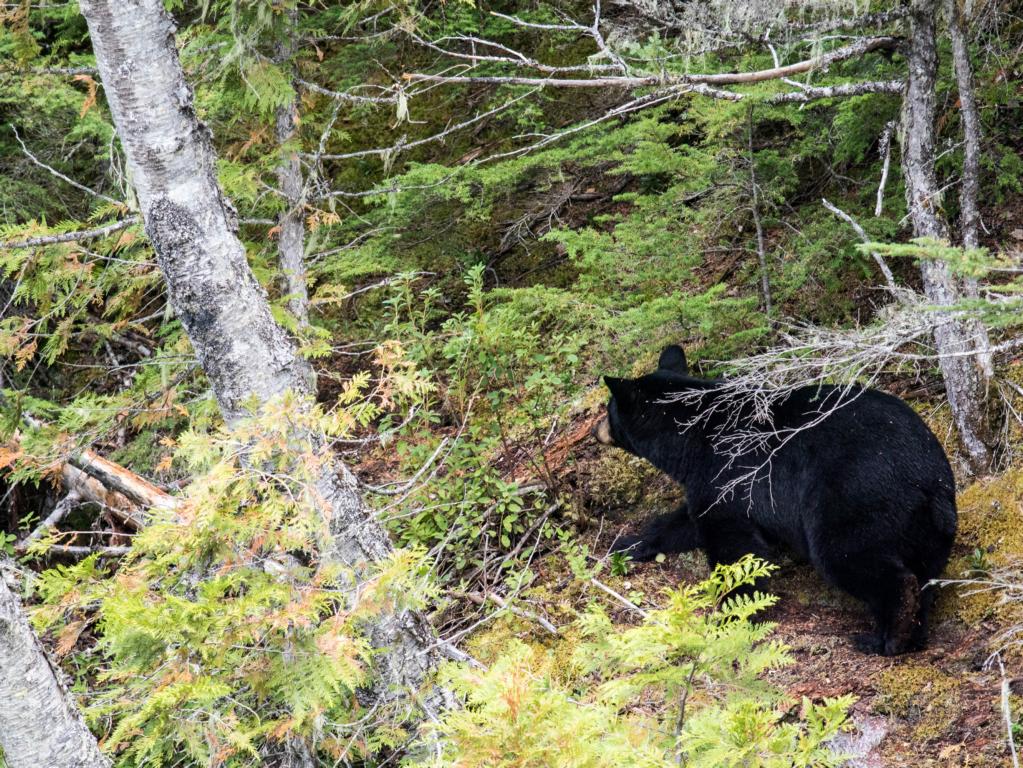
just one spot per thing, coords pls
(70, 237)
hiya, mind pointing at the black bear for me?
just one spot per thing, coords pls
(851, 480)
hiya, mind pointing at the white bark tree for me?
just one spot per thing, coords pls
(248, 359)
(954, 338)
(969, 187)
(39, 724)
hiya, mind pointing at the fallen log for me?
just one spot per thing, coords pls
(86, 477)
(122, 491)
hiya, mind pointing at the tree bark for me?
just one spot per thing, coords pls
(964, 384)
(248, 359)
(39, 724)
(291, 232)
(969, 188)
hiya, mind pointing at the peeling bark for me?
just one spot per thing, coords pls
(39, 724)
(248, 359)
(964, 384)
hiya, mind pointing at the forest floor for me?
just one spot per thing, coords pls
(938, 707)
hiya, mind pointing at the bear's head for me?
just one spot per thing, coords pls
(625, 418)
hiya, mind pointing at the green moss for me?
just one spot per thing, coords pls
(989, 515)
(922, 695)
(553, 655)
(621, 480)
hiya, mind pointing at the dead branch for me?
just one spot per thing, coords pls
(885, 148)
(813, 93)
(114, 477)
(856, 49)
(81, 551)
(867, 20)
(881, 263)
(66, 179)
(60, 509)
(1007, 712)
(765, 283)
(401, 145)
(480, 599)
(619, 598)
(513, 57)
(355, 98)
(69, 237)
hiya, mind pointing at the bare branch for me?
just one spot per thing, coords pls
(858, 48)
(570, 27)
(54, 172)
(481, 599)
(60, 509)
(886, 153)
(844, 90)
(619, 598)
(67, 71)
(879, 19)
(1007, 714)
(631, 106)
(765, 283)
(355, 98)
(889, 278)
(513, 57)
(401, 145)
(80, 551)
(69, 237)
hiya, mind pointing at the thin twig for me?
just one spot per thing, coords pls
(621, 599)
(481, 598)
(765, 282)
(65, 505)
(881, 263)
(67, 179)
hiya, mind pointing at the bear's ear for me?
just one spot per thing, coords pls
(673, 359)
(622, 390)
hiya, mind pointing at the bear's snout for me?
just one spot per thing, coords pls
(602, 432)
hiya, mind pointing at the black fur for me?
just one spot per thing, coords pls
(866, 496)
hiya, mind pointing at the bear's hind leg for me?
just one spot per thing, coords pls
(892, 593)
(918, 639)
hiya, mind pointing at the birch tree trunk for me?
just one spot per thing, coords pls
(953, 337)
(39, 724)
(246, 356)
(291, 231)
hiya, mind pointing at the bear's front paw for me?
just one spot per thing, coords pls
(635, 548)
